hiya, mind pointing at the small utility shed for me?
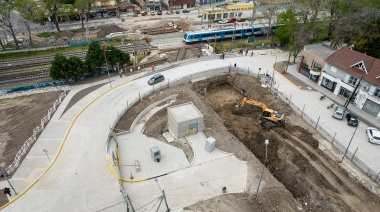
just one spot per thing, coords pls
(184, 119)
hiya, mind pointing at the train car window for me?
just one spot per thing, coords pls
(196, 36)
(238, 31)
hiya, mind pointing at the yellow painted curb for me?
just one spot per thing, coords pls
(63, 142)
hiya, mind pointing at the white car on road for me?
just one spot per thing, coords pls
(373, 135)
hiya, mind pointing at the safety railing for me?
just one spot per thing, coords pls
(36, 131)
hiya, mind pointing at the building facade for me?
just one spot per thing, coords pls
(342, 73)
(313, 60)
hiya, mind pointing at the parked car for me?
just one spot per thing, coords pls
(339, 112)
(176, 12)
(159, 12)
(185, 11)
(232, 20)
(152, 13)
(241, 20)
(224, 21)
(373, 135)
(352, 120)
(102, 10)
(143, 13)
(156, 79)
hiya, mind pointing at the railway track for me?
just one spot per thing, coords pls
(9, 74)
(30, 62)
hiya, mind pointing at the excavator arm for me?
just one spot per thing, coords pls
(253, 102)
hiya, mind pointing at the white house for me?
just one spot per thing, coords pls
(342, 72)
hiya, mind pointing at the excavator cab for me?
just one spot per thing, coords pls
(269, 118)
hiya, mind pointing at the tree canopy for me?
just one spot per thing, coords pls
(63, 68)
(94, 58)
(115, 56)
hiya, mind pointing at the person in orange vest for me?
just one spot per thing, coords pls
(152, 67)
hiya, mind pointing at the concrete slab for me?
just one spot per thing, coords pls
(168, 137)
(201, 155)
(136, 146)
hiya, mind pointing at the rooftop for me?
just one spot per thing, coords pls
(184, 112)
(357, 64)
(320, 50)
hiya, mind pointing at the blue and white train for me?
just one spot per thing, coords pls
(218, 34)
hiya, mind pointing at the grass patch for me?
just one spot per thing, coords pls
(226, 46)
(46, 34)
(141, 57)
(2, 101)
(46, 52)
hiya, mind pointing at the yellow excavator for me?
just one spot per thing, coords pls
(269, 118)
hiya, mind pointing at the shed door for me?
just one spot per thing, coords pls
(371, 107)
(192, 129)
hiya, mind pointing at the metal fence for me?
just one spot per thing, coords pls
(274, 89)
(36, 132)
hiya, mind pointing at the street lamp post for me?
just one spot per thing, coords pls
(163, 197)
(262, 172)
(344, 155)
(274, 68)
(108, 71)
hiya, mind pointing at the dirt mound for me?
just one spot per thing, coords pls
(105, 30)
(182, 25)
(65, 33)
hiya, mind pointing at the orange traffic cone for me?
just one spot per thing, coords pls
(131, 176)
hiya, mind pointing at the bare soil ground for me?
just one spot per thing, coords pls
(315, 182)
(19, 116)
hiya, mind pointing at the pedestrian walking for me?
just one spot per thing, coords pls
(243, 90)
(223, 55)
(152, 67)
(235, 65)
(7, 191)
(251, 53)
(121, 74)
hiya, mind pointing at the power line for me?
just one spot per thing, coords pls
(147, 203)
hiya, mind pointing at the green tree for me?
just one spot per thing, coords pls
(52, 7)
(94, 58)
(58, 67)
(368, 41)
(63, 68)
(6, 21)
(288, 26)
(29, 11)
(82, 6)
(76, 67)
(116, 56)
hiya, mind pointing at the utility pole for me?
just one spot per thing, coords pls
(163, 197)
(353, 134)
(253, 12)
(352, 94)
(262, 172)
(87, 31)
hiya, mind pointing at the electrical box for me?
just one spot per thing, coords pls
(155, 153)
(210, 144)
